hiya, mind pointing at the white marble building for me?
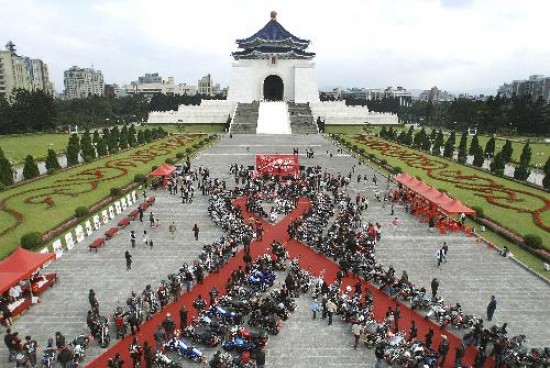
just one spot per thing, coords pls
(272, 65)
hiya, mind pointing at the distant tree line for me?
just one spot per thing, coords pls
(519, 114)
(35, 111)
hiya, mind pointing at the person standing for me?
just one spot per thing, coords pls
(331, 309)
(435, 287)
(491, 308)
(148, 354)
(314, 307)
(140, 211)
(135, 352)
(396, 316)
(413, 331)
(259, 356)
(128, 257)
(357, 330)
(479, 361)
(443, 349)
(30, 350)
(445, 249)
(429, 338)
(159, 338)
(196, 231)
(172, 229)
(459, 354)
(183, 318)
(133, 238)
(440, 255)
(152, 219)
(8, 340)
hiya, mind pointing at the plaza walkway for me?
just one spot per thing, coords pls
(472, 274)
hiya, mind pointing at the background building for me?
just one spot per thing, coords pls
(83, 82)
(536, 86)
(152, 83)
(207, 87)
(435, 95)
(398, 92)
(21, 72)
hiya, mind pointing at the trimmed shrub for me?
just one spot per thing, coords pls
(169, 161)
(139, 178)
(532, 241)
(383, 161)
(154, 167)
(115, 192)
(81, 211)
(32, 240)
(479, 211)
(180, 155)
(397, 170)
(189, 150)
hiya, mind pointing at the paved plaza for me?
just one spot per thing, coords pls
(472, 274)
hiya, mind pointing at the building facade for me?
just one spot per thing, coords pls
(536, 86)
(273, 65)
(21, 72)
(83, 82)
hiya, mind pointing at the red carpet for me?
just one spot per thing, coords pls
(276, 232)
(310, 260)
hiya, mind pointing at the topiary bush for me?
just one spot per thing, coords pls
(189, 150)
(169, 161)
(180, 155)
(81, 211)
(139, 178)
(397, 170)
(115, 192)
(154, 167)
(479, 211)
(532, 241)
(383, 161)
(32, 240)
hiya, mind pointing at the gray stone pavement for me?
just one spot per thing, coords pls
(524, 300)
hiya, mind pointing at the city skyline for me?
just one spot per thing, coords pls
(458, 45)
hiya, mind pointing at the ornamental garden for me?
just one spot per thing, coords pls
(35, 211)
(517, 211)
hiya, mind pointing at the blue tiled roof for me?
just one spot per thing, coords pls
(264, 52)
(272, 33)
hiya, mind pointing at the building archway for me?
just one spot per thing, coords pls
(273, 88)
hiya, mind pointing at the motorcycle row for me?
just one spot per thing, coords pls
(353, 246)
(249, 297)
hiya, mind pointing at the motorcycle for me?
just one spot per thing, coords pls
(48, 359)
(238, 344)
(120, 324)
(162, 361)
(103, 337)
(79, 345)
(184, 349)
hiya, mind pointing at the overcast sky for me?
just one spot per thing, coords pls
(458, 45)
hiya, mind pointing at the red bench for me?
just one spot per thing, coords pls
(111, 232)
(144, 205)
(133, 214)
(124, 222)
(151, 200)
(96, 244)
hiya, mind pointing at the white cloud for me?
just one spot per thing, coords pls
(455, 44)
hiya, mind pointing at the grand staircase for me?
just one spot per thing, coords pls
(245, 120)
(301, 119)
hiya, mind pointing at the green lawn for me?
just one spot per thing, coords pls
(469, 185)
(16, 147)
(22, 209)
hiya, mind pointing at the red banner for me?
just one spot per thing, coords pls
(283, 165)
